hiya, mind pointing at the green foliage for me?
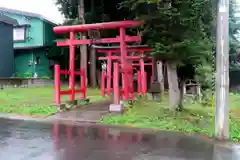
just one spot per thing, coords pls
(193, 119)
(207, 98)
(34, 101)
(27, 75)
(179, 30)
(70, 9)
(45, 77)
(203, 75)
(183, 30)
(234, 44)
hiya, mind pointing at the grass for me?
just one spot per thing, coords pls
(195, 118)
(34, 101)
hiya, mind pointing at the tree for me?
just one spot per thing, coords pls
(94, 11)
(234, 26)
(179, 30)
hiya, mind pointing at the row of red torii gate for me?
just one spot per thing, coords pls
(121, 60)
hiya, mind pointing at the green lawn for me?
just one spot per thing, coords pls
(34, 101)
(195, 118)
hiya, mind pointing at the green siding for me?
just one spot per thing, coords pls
(34, 34)
(49, 35)
(48, 39)
(22, 67)
(21, 64)
(40, 35)
(42, 69)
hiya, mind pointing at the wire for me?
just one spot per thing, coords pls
(213, 78)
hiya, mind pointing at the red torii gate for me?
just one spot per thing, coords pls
(72, 42)
(142, 83)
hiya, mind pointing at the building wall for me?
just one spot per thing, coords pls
(42, 69)
(48, 34)
(6, 50)
(34, 33)
(49, 38)
(25, 63)
(39, 35)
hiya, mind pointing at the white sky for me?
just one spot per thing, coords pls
(46, 8)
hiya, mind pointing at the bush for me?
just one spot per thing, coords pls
(203, 75)
(207, 98)
(27, 75)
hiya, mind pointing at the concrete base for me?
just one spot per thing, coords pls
(116, 108)
(70, 104)
(156, 96)
(60, 107)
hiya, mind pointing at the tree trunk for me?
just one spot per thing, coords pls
(182, 93)
(83, 48)
(174, 93)
(93, 74)
(98, 77)
(160, 78)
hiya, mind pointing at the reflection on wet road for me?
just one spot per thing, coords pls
(28, 140)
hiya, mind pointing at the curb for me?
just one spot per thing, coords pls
(19, 117)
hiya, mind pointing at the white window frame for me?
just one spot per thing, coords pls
(19, 34)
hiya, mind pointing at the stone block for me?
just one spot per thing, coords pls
(60, 107)
(83, 102)
(156, 96)
(154, 87)
(70, 104)
(74, 102)
(116, 108)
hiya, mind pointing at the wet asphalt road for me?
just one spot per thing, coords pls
(28, 140)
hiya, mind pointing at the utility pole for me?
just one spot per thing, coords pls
(222, 71)
(83, 48)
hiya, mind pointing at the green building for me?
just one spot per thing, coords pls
(34, 46)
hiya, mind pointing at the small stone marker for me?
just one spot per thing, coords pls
(116, 108)
(155, 90)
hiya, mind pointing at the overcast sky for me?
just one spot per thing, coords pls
(46, 8)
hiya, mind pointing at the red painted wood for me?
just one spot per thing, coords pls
(116, 89)
(57, 83)
(114, 50)
(72, 67)
(136, 58)
(98, 41)
(98, 26)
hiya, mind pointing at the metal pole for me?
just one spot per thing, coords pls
(222, 69)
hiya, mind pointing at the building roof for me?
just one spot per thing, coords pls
(8, 20)
(28, 14)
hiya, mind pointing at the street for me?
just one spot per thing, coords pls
(30, 140)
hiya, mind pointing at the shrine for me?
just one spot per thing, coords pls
(136, 60)
(119, 58)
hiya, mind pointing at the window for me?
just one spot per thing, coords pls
(19, 34)
(38, 60)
